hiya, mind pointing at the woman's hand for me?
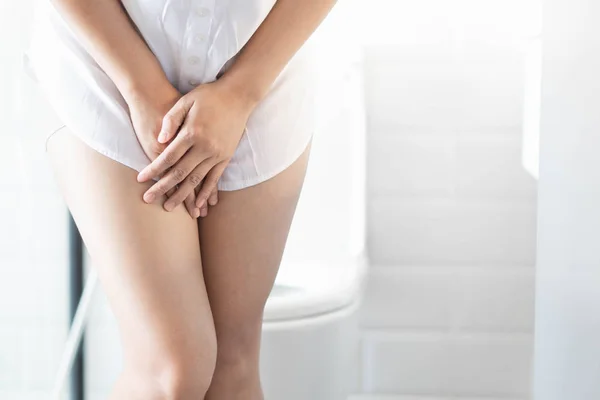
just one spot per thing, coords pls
(147, 112)
(204, 127)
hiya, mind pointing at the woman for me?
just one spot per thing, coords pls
(166, 103)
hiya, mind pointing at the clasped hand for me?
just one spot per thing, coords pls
(195, 141)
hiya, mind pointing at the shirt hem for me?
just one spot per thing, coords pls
(239, 184)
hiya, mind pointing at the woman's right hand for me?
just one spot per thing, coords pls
(147, 112)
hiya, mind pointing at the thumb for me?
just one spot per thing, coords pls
(173, 120)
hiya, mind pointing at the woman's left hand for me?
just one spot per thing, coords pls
(204, 127)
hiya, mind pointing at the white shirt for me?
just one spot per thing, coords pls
(194, 41)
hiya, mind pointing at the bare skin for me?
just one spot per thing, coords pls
(188, 293)
(149, 265)
(242, 241)
(189, 320)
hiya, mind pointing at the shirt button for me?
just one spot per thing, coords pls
(199, 38)
(193, 82)
(193, 60)
(202, 12)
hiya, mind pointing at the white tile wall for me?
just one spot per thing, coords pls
(444, 87)
(411, 163)
(432, 363)
(450, 299)
(451, 213)
(383, 397)
(499, 173)
(452, 231)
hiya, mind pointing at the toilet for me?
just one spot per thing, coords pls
(310, 343)
(310, 340)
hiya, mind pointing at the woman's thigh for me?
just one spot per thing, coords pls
(148, 260)
(242, 240)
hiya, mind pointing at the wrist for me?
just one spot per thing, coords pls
(136, 90)
(242, 90)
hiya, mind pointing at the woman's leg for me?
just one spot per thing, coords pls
(149, 265)
(242, 241)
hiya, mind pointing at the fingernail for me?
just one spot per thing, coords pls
(141, 177)
(168, 206)
(196, 213)
(149, 197)
(199, 205)
(212, 201)
(203, 212)
(162, 136)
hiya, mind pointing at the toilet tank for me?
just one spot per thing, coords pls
(330, 218)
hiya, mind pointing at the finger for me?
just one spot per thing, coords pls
(170, 192)
(191, 207)
(204, 211)
(169, 157)
(172, 177)
(189, 184)
(214, 197)
(210, 183)
(173, 119)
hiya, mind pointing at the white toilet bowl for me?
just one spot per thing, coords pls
(310, 343)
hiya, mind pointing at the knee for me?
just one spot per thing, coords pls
(181, 374)
(188, 374)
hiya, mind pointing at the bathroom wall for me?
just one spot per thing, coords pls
(33, 234)
(451, 212)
